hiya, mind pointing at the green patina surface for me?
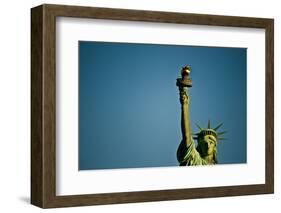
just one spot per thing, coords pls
(188, 154)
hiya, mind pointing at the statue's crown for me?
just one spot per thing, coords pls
(210, 131)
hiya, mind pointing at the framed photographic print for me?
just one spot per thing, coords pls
(135, 106)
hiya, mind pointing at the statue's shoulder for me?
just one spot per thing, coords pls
(188, 154)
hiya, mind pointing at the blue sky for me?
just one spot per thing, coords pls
(129, 109)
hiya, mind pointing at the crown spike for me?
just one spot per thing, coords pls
(209, 124)
(196, 133)
(221, 133)
(199, 126)
(218, 127)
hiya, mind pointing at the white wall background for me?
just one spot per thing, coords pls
(15, 105)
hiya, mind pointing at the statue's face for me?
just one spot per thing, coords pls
(207, 145)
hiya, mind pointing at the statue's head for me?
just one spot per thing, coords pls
(207, 140)
(207, 143)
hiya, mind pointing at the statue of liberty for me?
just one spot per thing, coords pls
(205, 153)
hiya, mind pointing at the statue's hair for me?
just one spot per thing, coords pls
(215, 156)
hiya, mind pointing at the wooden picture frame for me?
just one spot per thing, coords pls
(43, 105)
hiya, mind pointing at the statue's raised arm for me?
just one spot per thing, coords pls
(206, 151)
(184, 83)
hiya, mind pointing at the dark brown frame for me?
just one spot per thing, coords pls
(43, 105)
